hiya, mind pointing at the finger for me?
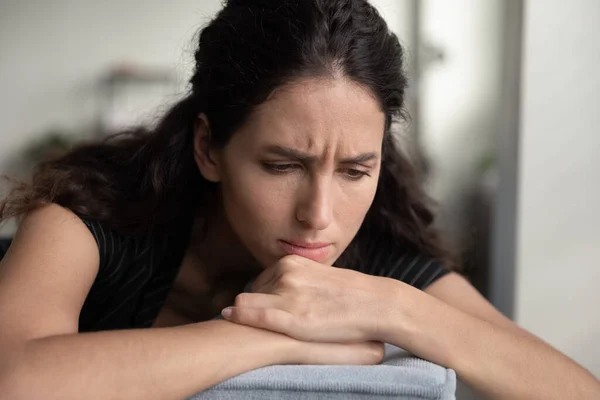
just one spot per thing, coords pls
(260, 300)
(265, 282)
(263, 318)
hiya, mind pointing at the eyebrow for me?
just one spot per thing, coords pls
(308, 158)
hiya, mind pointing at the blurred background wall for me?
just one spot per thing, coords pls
(504, 101)
(558, 215)
(53, 55)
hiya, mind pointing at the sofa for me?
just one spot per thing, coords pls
(399, 376)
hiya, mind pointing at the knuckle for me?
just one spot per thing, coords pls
(377, 352)
(288, 280)
(291, 261)
(372, 352)
(308, 315)
(290, 276)
(242, 299)
(264, 317)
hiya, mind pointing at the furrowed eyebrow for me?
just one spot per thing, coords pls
(304, 157)
(290, 153)
(361, 158)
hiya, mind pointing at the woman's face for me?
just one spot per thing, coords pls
(301, 174)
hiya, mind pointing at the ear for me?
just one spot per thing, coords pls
(206, 158)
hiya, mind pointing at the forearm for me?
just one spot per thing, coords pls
(150, 364)
(494, 361)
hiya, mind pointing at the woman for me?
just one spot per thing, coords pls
(278, 164)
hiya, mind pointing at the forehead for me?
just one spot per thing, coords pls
(317, 114)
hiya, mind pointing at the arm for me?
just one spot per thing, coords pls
(488, 352)
(150, 364)
(43, 355)
(308, 301)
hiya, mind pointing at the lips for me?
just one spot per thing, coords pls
(314, 251)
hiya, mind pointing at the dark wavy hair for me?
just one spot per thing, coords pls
(145, 180)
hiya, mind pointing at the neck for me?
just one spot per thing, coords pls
(215, 268)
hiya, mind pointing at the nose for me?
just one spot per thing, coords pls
(314, 209)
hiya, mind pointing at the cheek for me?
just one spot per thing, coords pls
(255, 207)
(353, 207)
(257, 211)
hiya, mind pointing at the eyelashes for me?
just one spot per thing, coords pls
(352, 174)
(281, 168)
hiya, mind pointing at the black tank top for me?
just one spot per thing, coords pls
(137, 272)
(134, 277)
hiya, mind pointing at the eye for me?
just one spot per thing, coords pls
(355, 174)
(280, 168)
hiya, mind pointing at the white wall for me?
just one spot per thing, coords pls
(558, 260)
(52, 52)
(397, 14)
(460, 98)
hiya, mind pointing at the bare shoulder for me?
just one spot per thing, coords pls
(51, 214)
(46, 274)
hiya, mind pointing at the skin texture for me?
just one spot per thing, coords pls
(268, 196)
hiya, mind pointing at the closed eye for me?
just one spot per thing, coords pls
(352, 174)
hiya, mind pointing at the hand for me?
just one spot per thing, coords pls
(312, 302)
(313, 353)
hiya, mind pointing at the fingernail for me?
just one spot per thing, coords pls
(226, 313)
